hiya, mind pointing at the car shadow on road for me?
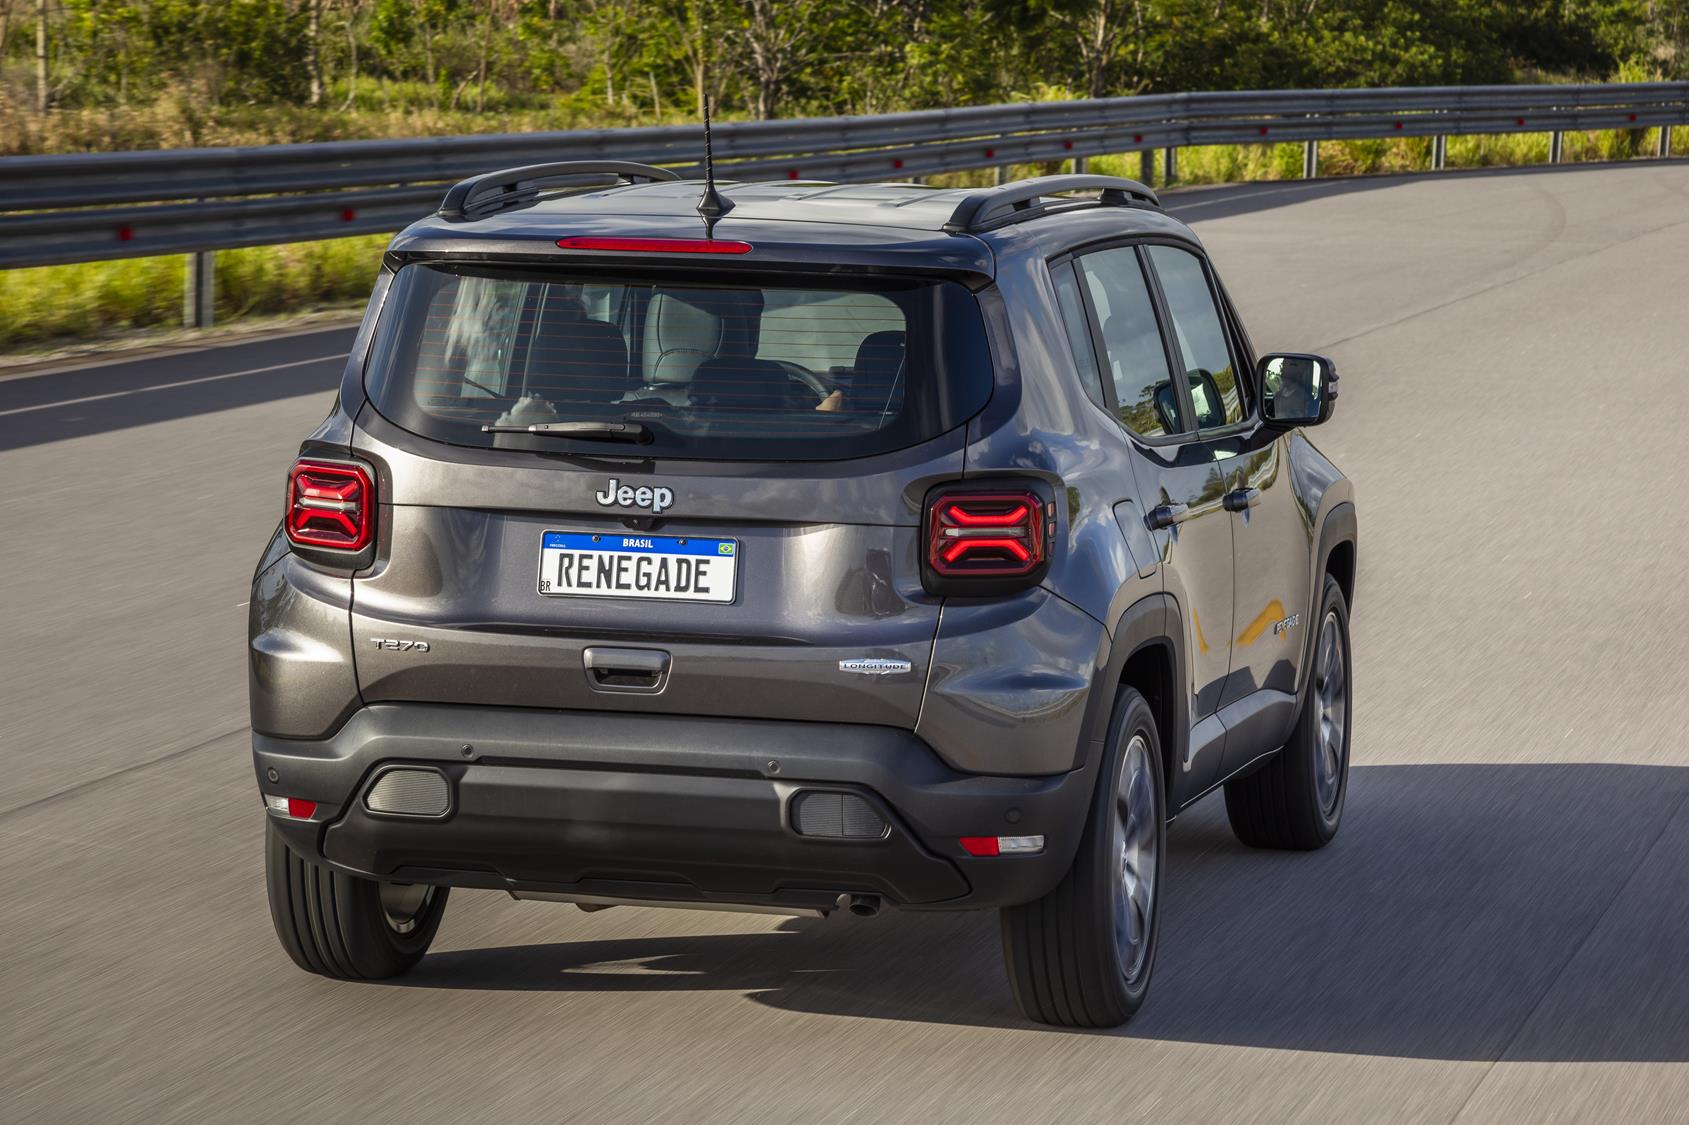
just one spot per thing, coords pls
(59, 404)
(1465, 911)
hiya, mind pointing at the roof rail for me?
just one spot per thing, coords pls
(480, 196)
(1010, 203)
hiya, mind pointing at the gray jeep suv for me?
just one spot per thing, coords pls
(849, 547)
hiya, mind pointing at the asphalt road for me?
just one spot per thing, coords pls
(1499, 933)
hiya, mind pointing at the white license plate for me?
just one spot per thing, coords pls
(627, 565)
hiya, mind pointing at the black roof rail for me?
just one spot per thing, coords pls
(1010, 203)
(480, 196)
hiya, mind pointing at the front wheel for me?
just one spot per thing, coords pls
(1081, 956)
(1295, 801)
(338, 925)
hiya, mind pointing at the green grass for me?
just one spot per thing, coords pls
(54, 305)
(58, 304)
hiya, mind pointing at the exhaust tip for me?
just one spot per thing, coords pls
(863, 906)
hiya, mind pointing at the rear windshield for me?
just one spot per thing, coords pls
(723, 369)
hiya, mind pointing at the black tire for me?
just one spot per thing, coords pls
(1066, 963)
(1293, 802)
(336, 925)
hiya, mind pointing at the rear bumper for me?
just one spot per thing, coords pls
(668, 808)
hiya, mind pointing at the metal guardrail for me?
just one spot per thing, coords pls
(94, 207)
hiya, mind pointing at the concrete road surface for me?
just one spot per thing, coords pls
(1499, 933)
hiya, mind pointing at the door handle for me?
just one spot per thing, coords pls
(1166, 515)
(1242, 499)
(626, 669)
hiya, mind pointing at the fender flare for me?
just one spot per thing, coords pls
(1154, 620)
(1339, 527)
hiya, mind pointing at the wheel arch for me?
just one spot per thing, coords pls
(1147, 654)
(1336, 555)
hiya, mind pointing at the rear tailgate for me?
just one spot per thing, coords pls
(791, 435)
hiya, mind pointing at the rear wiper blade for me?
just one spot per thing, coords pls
(586, 431)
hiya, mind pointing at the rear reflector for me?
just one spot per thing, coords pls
(1002, 845)
(656, 245)
(330, 505)
(297, 808)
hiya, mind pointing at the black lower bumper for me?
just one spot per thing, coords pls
(664, 808)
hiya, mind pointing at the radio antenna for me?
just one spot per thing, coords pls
(712, 205)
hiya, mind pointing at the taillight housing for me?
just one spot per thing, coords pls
(986, 540)
(330, 506)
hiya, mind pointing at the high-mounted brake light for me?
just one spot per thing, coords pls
(656, 245)
(985, 534)
(330, 505)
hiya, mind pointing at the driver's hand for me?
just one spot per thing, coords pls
(833, 403)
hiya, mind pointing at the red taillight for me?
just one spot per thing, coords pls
(657, 245)
(330, 505)
(980, 845)
(988, 534)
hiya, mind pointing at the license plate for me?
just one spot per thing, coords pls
(623, 565)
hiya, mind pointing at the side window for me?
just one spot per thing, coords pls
(1137, 363)
(1072, 306)
(1201, 334)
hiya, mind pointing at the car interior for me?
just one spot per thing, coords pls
(694, 349)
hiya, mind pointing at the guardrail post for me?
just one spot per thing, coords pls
(1664, 147)
(1146, 166)
(1002, 174)
(1555, 144)
(1078, 165)
(1311, 160)
(199, 290)
(1169, 166)
(1439, 152)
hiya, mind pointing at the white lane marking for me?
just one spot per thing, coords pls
(1175, 205)
(168, 386)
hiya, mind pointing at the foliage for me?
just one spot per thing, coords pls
(182, 71)
(95, 298)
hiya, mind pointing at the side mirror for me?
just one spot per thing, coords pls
(1297, 389)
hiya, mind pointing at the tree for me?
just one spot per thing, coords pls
(779, 38)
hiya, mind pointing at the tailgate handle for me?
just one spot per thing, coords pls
(626, 669)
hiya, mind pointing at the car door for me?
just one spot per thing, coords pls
(1269, 529)
(1180, 486)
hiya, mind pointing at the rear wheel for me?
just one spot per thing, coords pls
(1081, 956)
(1295, 801)
(339, 925)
